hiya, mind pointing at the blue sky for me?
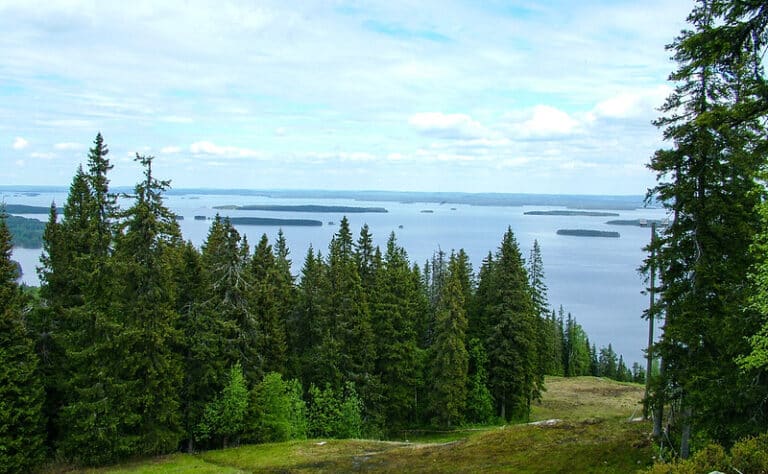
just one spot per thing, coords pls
(503, 96)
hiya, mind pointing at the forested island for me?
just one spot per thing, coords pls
(25, 209)
(26, 233)
(306, 208)
(588, 233)
(637, 222)
(275, 222)
(570, 213)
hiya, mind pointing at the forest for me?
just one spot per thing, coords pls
(138, 343)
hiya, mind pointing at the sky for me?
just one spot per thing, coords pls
(517, 96)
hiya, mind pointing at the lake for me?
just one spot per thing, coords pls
(593, 278)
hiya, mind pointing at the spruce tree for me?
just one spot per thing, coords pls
(268, 309)
(449, 360)
(514, 373)
(708, 181)
(348, 340)
(21, 389)
(394, 316)
(147, 366)
(229, 296)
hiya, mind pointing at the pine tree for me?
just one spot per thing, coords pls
(448, 355)
(479, 398)
(708, 181)
(394, 316)
(547, 350)
(348, 342)
(230, 286)
(268, 308)
(514, 376)
(202, 346)
(307, 324)
(145, 256)
(21, 389)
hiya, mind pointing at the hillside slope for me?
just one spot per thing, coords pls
(592, 433)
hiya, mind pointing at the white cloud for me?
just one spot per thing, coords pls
(170, 150)
(43, 155)
(635, 104)
(210, 148)
(548, 122)
(176, 119)
(68, 146)
(442, 125)
(20, 143)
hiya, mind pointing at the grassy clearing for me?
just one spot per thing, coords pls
(580, 398)
(593, 436)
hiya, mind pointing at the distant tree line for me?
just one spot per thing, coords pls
(25, 233)
(138, 343)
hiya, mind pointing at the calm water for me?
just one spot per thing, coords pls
(595, 279)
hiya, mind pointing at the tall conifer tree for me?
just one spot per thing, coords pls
(21, 390)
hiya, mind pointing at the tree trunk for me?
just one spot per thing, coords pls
(685, 436)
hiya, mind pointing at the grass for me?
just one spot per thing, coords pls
(592, 436)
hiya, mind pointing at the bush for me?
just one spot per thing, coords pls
(750, 455)
(223, 418)
(333, 415)
(277, 411)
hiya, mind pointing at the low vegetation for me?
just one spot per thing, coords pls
(582, 424)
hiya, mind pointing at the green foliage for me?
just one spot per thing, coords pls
(334, 414)
(747, 456)
(394, 304)
(21, 390)
(448, 363)
(268, 309)
(224, 417)
(276, 410)
(710, 179)
(27, 233)
(229, 287)
(514, 373)
(479, 398)
(750, 455)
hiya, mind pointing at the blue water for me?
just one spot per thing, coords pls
(595, 279)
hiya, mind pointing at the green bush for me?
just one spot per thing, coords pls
(334, 415)
(750, 455)
(277, 412)
(223, 418)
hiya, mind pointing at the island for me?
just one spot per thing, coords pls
(427, 211)
(200, 218)
(24, 209)
(571, 213)
(588, 233)
(277, 222)
(305, 208)
(638, 222)
(25, 233)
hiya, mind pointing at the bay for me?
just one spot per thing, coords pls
(595, 279)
